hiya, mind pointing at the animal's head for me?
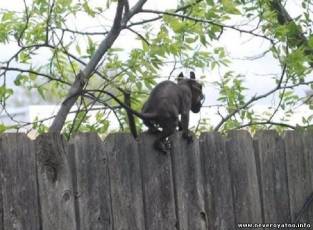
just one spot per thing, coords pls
(197, 94)
(196, 90)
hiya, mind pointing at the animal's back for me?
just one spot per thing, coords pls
(164, 100)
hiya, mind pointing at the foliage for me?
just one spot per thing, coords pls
(51, 49)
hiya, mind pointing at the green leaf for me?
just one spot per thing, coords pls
(88, 10)
(41, 92)
(19, 80)
(24, 57)
(78, 49)
(210, 2)
(5, 92)
(91, 49)
(3, 128)
(230, 7)
(7, 16)
(310, 42)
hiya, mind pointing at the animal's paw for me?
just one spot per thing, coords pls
(180, 126)
(188, 136)
(153, 130)
(168, 144)
(161, 146)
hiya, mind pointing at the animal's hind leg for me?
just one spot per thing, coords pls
(152, 128)
(161, 144)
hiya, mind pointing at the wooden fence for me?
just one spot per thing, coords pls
(120, 184)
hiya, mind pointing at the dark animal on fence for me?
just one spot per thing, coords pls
(166, 102)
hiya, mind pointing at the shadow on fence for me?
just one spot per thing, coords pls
(216, 183)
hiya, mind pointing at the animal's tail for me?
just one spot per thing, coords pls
(142, 116)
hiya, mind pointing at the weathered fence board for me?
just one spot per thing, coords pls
(1, 200)
(18, 183)
(270, 154)
(299, 167)
(91, 182)
(159, 203)
(308, 164)
(217, 182)
(126, 184)
(188, 184)
(244, 180)
(55, 183)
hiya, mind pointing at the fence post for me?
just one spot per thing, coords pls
(244, 180)
(270, 155)
(18, 183)
(157, 182)
(217, 182)
(125, 181)
(55, 183)
(188, 184)
(1, 200)
(89, 165)
(299, 157)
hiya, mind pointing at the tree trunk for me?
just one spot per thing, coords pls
(82, 78)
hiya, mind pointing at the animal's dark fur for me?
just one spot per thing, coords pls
(166, 102)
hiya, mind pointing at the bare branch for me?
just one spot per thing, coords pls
(267, 123)
(200, 20)
(183, 8)
(51, 6)
(26, 24)
(139, 35)
(253, 99)
(79, 32)
(35, 73)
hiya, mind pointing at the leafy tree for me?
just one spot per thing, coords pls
(88, 66)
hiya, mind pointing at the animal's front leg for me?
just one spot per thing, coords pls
(180, 126)
(185, 123)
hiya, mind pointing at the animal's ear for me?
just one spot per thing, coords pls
(192, 75)
(180, 77)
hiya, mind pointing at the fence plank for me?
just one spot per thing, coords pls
(157, 182)
(244, 179)
(91, 182)
(1, 202)
(55, 183)
(126, 185)
(299, 156)
(188, 184)
(270, 154)
(217, 182)
(18, 179)
(308, 164)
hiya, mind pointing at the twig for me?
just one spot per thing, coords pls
(253, 99)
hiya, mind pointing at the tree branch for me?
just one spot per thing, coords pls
(297, 38)
(267, 123)
(200, 20)
(34, 72)
(253, 99)
(84, 74)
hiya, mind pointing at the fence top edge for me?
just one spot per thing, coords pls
(230, 134)
(87, 135)
(14, 136)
